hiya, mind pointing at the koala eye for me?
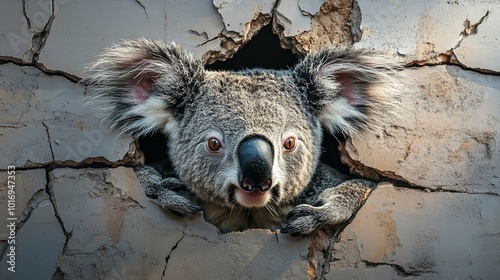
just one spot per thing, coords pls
(290, 144)
(214, 145)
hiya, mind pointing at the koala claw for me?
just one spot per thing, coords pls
(304, 219)
(177, 204)
(173, 195)
(174, 184)
(170, 193)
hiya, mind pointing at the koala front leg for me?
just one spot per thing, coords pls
(170, 193)
(333, 206)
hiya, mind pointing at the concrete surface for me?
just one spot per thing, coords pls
(44, 119)
(39, 244)
(129, 236)
(457, 113)
(420, 30)
(432, 235)
(82, 215)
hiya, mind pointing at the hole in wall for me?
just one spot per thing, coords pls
(154, 147)
(330, 151)
(263, 51)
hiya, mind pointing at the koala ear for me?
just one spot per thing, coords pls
(349, 90)
(143, 85)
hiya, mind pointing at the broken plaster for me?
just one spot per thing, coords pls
(469, 29)
(301, 26)
(38, 37)
(333, 24)
(367, 172)
(237, 30)
(309, 7)
(449, 57)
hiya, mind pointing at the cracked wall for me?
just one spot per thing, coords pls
(81, 214)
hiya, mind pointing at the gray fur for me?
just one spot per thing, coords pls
(147, 86)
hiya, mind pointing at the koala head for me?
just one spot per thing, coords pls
(248, 138)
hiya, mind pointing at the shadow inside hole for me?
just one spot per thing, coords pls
(154, 147)
(330, 153)
(263, 51)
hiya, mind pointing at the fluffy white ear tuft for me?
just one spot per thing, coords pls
(142, 85)
(350, 90)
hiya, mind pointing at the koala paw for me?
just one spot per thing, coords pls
(305, 218)
(180, 205)
(169, 193)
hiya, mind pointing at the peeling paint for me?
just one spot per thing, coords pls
(331, 25)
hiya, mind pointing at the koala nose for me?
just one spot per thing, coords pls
(255, 156)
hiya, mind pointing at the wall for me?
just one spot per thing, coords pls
(80, 214)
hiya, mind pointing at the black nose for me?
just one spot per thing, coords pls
(255, 155)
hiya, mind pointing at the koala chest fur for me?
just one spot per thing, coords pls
(245, 146)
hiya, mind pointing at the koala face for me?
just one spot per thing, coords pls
(248, 138)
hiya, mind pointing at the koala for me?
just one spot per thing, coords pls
(245, 146)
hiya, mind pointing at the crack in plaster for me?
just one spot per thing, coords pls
(59, 274)
(335, 239)
(327, 256)
(38, 198)
(469, 29)
(356, 19)
(370, 173)
(306, 12)
(50, 141)
(39, 66)
(332, 24)
(50, 192)
(231, 41)
(144, 8)
(25, 14)
(452, 61)
(91, 162)
(449, 57)
(170, 253)
(203, 34)
(37, 39)
(400, 270)
(209, 40)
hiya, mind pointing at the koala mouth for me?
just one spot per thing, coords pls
(252, 198)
